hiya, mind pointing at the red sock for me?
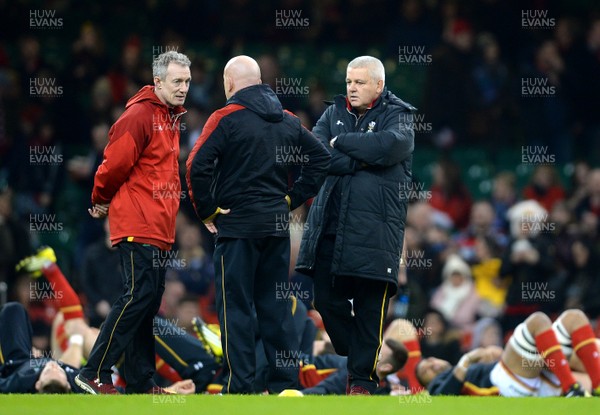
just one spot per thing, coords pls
(584, 345)
(555, 359)
(68, 301)
(414, 357)
(166, 371)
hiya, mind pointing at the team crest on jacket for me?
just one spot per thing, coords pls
(371, 126)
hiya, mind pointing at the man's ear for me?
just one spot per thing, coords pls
(38, 385)
(229, 84)
(157, 82)
(386, 368)
(380, 86)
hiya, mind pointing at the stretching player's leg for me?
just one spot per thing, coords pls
(576, 336)
(534, 347)
(69, 319)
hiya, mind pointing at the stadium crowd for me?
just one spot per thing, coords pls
(475, 264)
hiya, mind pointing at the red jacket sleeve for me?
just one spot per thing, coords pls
(127, 139)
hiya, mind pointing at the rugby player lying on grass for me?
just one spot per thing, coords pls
(180, 355)
(22, 371)
(541, 358)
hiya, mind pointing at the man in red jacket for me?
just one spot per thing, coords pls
(137, 186)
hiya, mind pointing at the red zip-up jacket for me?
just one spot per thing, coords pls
(139, 175)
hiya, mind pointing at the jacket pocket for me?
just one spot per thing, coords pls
(382, 201)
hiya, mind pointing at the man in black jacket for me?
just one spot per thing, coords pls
(238, 173)
(355, 227)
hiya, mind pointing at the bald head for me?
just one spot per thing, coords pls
(240, 72)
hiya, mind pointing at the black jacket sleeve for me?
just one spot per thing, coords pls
(445, 384)
(341, 163)
(391, 144)
(312, 175)
(202, 170)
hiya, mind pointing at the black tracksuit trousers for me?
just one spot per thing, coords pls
(355, 328)
(128, 328)
(250, 277)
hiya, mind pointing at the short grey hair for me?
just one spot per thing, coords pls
(373, 65)
(162, 61)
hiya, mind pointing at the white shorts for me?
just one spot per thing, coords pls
(511, 385)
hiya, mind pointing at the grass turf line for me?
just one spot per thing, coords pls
(266, 405)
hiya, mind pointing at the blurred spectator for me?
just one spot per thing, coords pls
(578, 184)
(422, 232)
(35, 170)
(189, 263)
(504, 195)
(486, 332)
(201, 87)
(586, 93)
(14, 238)
(438, 339)
(188, 307)
(456, 298)
(413, 27)
(481, 223)
(527, 263)
(590, 203)
(126, 77)
(486, 276)
(449, 194)
(563, 235)
(585, 277)
(544, 107)
(449, 89)
(491, 81)
(544, 187)
(174, 292)
(100, 278)
(88, 60)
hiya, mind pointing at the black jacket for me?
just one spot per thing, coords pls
(242, 161)
(371, 163)
(477, 382)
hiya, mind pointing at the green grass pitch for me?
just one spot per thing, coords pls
(313, 405)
